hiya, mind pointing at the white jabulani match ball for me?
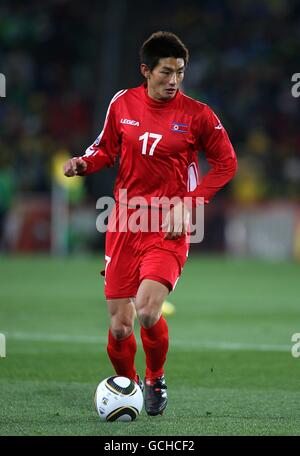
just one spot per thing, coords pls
(118, 399)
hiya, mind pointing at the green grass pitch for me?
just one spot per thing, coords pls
(229, 371)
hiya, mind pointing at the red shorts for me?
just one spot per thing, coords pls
(132, 257)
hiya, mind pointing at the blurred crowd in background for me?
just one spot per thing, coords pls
(63, 61)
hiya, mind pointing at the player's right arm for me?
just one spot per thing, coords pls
(76, 166)
(103, 151)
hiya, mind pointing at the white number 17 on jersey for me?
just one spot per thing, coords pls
(145, 137)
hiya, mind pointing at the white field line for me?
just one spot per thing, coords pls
(184, 343)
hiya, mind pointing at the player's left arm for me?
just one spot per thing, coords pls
(219, 154)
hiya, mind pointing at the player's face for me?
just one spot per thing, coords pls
(165, 78)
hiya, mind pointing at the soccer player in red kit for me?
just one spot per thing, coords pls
(156, 131)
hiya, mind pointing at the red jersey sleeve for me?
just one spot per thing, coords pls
(105, 149)
(213, 139)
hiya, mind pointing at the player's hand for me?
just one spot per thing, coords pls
(75, 167)
(177, 220)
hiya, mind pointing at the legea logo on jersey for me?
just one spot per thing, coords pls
(134, 123)
(179, 127)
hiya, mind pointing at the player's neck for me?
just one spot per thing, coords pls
(155, 97)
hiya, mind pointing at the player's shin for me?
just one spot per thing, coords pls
(121, 353)
(155, 343)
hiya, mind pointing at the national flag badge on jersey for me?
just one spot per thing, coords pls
(179, 127)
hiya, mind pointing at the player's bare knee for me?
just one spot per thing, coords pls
(120, 331)
(148, 320)
(148, 311)
(121, 325)
(121, 318)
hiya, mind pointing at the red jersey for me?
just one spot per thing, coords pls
(157, 143)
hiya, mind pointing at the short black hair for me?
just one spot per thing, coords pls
(162, 45)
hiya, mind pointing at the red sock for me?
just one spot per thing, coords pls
(155, 342)
(121, 353)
